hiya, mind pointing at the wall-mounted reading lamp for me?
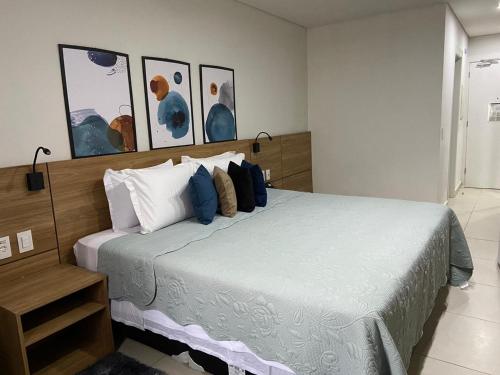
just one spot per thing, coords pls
(35, 179)
(256, 145)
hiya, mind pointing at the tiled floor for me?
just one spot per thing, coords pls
(154, 358)
(462, 336)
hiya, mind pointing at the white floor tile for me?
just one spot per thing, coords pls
(477, 301)
(172, 367)
(469, 193)
(463, 218)
(490, 192)
(464, 341)
(140, 352)
(486, 272)
(489, 198)
(484, 224)
(461, 206)
(430, 366)
(483, 249)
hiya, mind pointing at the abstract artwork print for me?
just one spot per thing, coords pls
(218, 104)
(169, 106)
(98, 99)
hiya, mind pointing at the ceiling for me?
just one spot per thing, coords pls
(479, 17)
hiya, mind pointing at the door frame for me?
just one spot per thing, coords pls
(456, 122)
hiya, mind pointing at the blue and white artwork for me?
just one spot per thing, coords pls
(218, 104)
(167, 86)
(98, 101)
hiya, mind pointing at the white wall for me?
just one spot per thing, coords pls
(268, 55)
(375, 93)
(484, 47)
(455, 44)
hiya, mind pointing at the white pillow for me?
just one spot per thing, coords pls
(187, 159)
(221, 161)
(121, 209)
(160, 196)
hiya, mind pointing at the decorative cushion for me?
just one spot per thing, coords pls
(203, 196)
(243, 185)
(121, 209)
(160, 196)
(226, 192)
(221, 161)
(259, 185)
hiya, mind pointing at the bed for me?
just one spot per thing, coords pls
(310, 284)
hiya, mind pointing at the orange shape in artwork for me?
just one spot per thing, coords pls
(213, 89)
(125, 126)
(159, 86)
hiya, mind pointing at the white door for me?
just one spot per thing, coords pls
(483, 132)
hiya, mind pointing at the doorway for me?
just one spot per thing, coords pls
(483, 130)
(457, 138)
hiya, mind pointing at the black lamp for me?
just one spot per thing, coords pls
(35, 179)
(256, 145)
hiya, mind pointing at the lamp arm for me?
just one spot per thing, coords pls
(36, 155)
(268, 136)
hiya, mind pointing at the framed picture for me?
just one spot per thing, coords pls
(169, 106)
(218, 106)
(98, 99)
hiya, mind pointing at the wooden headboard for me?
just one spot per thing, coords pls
(74, 203)
(23, 210)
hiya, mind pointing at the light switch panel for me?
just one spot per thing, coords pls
(268, 174)
(5, 251)
(25, 241)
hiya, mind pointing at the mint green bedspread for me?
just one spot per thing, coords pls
(323, 284)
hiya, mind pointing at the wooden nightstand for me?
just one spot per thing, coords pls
(56, 321)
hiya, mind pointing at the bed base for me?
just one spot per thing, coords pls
(211, 364)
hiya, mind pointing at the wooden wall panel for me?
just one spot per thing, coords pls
(80, 204)
(296, 153)
(278, 184)
(269, 156)
(22, 210)
(28, 266)
(300, 182)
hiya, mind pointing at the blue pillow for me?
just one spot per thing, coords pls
(203, 196)
(259, 185)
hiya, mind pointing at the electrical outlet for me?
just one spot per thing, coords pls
(25, 241)
(268, 174)
(5, 251)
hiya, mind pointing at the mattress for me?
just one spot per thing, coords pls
(232, 352)
(320, 283)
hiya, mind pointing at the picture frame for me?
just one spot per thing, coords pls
(169, 102)
(218, 104)
(98, 101)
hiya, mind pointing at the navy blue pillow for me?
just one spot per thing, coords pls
(203, 196)
(243, 186)
(259, 185)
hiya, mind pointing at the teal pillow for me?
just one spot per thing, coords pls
(203, 196)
